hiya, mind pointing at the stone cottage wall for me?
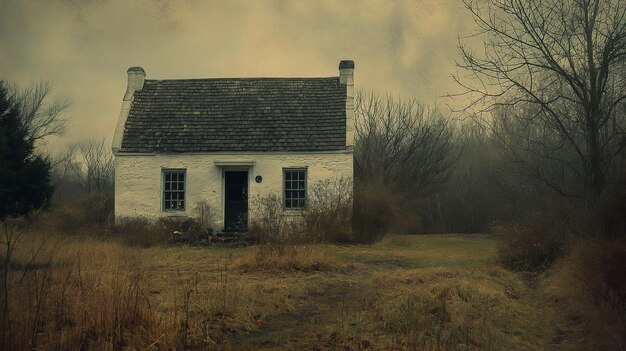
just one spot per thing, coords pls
(138, 179)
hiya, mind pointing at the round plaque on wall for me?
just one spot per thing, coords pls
(258, 179)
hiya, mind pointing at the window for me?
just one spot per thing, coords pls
(174, 189)
(295, 188)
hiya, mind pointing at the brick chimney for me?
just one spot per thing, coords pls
(346, 77)
(136, 76)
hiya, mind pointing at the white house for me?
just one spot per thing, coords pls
(227, 140)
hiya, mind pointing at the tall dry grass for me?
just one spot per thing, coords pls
(89, 292)
(589, 287)
(435, 309)
(60, 293)
(294, 258)
(85, 292)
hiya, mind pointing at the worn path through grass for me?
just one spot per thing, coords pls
(409, 292)
(424, 292)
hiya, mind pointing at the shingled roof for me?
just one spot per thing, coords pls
(237, 114)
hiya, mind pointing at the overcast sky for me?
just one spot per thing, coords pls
(84, 47)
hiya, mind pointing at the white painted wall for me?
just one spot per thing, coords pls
(138, 178)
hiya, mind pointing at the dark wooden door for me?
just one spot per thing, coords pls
(236, 201)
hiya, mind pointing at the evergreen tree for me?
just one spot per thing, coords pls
(24, 175)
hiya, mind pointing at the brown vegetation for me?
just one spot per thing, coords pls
(531, 246)
(93, 293)
(589, 285)
(432, 292)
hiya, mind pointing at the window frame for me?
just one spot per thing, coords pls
(164, 172)
(285, 190)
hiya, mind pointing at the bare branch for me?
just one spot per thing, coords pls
(41, 115)
(551, 76)
(403, 144)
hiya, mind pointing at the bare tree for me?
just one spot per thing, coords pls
(41, 115)
(94, 166)
(554, 71)
(402, 144)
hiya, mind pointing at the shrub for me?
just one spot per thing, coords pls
(328, 217)
(375, 208)
(531, 246)
(273, 229)
(205, 216)
(143, 232)
(92, 213)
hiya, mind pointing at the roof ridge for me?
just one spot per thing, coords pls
(240, 78)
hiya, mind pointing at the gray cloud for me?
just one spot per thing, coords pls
(84, 47)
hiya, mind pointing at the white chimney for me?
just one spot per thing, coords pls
(136, 76)
(346, 77)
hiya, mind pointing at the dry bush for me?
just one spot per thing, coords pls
(205, 216)
(143, 232)
(530, 246)
(273, 227)
(273, 231)
(375, 211)
(590, 287)
(89, 213)
(328, 216)
(148, 232)
(280, 235)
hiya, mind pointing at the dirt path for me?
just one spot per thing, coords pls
(288, 331)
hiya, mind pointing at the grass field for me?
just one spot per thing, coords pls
(408, 292)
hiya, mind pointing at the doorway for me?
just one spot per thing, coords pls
(236, 201)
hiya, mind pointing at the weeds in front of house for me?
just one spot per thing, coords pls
(92, 215)
(285, 239)
(85, 292)
(328, 217)
(68, 292)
